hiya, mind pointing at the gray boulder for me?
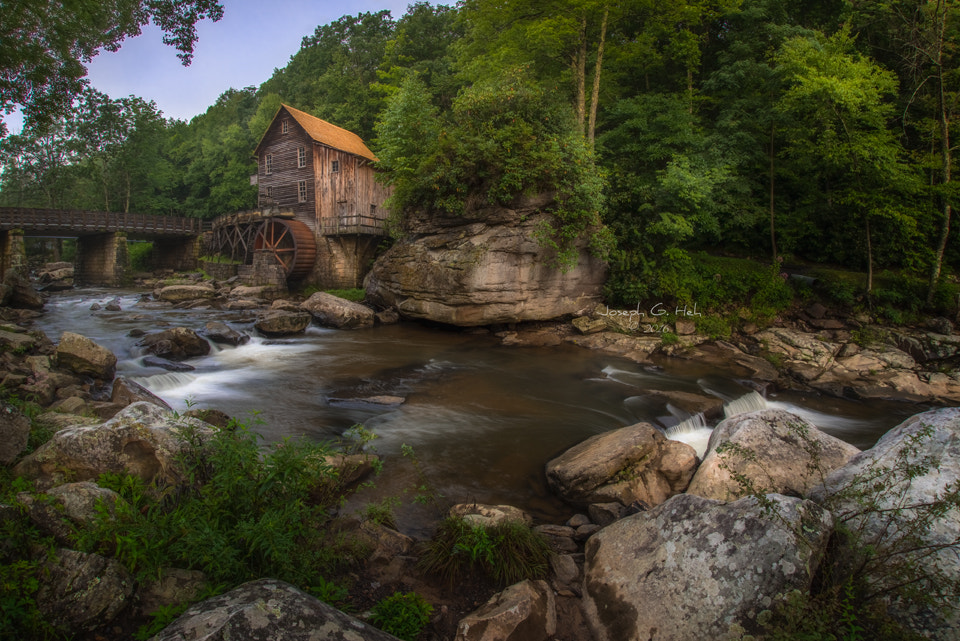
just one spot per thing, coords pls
(141, 440)
(789, 456)
(268, 610)
(220, 332)
(80, 592)
(178, 343)
(278, 322)
(525, 611)
(181, 293)
(81, 355)
(332, 311)
(693, 567)
(629, 464)
(913, 465)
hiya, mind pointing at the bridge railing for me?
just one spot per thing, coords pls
(40, 220)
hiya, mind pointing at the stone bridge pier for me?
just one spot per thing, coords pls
(101, 259)
(12, 250)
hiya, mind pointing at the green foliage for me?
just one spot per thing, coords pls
(245, 514)
(22, 556)
(712, 283)
(402, 615)
(507, 552)
(505, 140)
(355, 295)
(140, 256)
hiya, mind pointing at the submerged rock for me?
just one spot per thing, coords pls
(178, 343)
(333, 311)
(277, 322)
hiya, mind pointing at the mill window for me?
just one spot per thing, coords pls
(302, 191)
(268, 164)
(302, 157)
(285, 126)
(335, 166)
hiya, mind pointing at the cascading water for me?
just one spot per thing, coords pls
(482, 419)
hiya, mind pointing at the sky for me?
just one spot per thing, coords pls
(253, 38)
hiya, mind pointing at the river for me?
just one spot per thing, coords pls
(481, 419)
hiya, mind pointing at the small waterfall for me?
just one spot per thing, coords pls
(693, 431)
(160, 383)
(748, 403)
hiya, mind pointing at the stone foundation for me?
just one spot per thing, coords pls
(101, 260)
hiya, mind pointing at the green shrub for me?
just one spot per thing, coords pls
(244, 513)
(356, 295)
(402, 615)
(140, 255)
(507, 553)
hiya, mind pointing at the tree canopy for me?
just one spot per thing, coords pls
(815, 132)
(44, 46)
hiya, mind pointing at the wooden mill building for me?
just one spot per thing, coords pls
(321, 207)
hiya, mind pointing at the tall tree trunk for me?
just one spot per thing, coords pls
(773, 229)
(869, 255)
(580, 74)
(946, 158)
(595, 96)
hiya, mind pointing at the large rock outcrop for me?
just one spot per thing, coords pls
(482, 268)
(693, 567)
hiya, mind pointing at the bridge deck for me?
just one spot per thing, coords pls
(72, 222)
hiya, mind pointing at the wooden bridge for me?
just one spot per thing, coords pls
(102, 239)
(72, 223)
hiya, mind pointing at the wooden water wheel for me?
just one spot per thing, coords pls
(291, 242)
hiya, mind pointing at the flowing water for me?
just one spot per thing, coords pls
(481, 419)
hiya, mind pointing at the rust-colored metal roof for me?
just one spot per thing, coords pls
(323, 132)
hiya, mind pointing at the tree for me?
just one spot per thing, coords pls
(837, 106)
(44, 46)
(505, 139)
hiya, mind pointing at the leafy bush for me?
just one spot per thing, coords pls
(402, 615)
(140, 256)
(507, 553)
(711, 282)
(244, 514)
(503, 140)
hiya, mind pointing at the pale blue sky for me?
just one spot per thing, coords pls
(242, 49)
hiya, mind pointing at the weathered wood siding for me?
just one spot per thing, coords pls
(351, 194)
(283, 181)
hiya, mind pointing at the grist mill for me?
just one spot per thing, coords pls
(321, 210)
